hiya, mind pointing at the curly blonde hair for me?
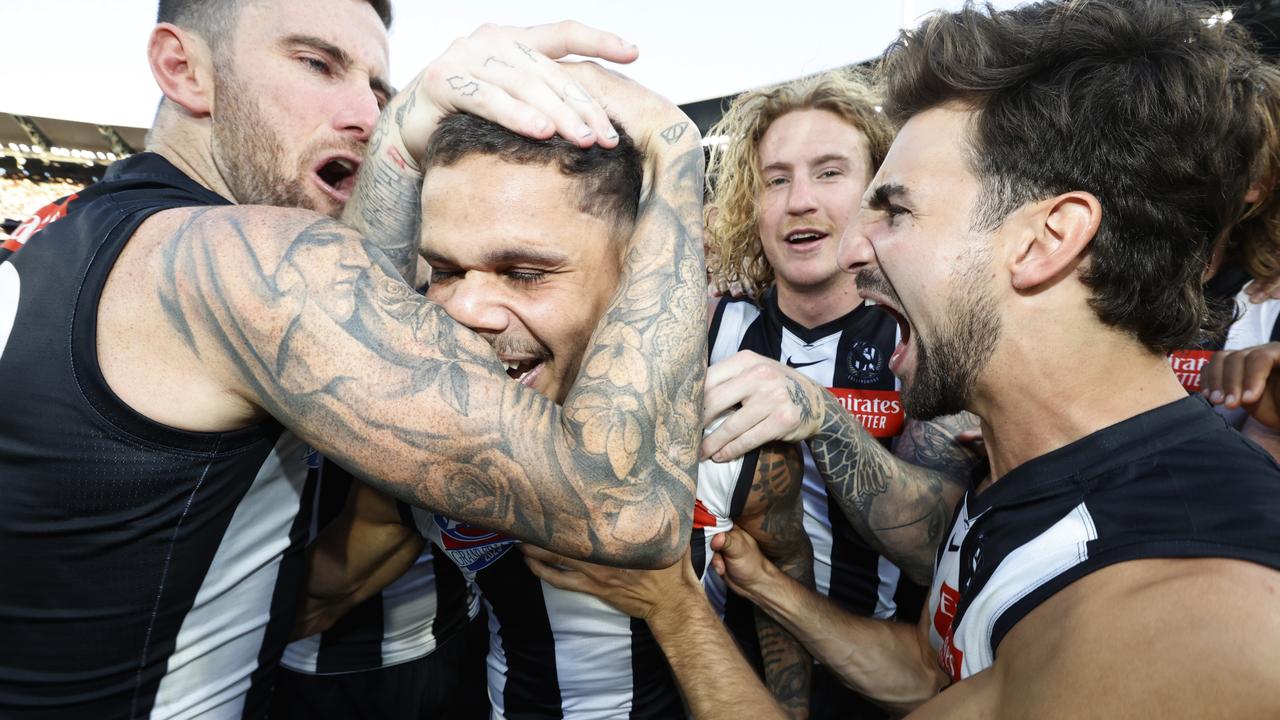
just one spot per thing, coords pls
(735, 255)
(1255, 240)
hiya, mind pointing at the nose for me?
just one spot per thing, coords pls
(474, 301)
(800, 199)
(855, 252)
(359, 113)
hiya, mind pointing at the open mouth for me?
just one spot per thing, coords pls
(336, 176)
(805, 237)
(524, 371)
(904, 333)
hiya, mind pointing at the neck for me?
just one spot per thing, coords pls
(1044, 393)
(187, 143)
(814, 306)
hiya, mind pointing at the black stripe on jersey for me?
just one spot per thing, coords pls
(654, 694)
(1275, 330)
(533, 683)
(742, 485)
(451, 597)
(698, 551)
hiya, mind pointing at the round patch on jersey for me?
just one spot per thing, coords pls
(865, 362)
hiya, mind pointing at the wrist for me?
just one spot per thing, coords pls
(676, 610)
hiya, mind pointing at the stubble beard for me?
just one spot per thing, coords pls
(248, 151)
(947, 369)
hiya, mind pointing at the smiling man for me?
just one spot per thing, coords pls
(1040, 229)
(188, 326)
(525, 243)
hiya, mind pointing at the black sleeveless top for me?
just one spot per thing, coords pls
(145, 571)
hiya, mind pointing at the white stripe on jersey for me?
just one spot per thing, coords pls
(1039, 560)
(217, 646)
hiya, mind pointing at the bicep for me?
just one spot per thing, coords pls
(299, 316)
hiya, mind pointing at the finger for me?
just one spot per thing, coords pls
(583, 87)
(569, 37)
(541, 554)
(555, 577)
(968, 437)
(464, 92)
(1211, 378)
(575, 115)
(730, 367)
(724, 449)
(1232, 378)
(1256, 370)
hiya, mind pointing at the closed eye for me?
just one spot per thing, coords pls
(526, 277)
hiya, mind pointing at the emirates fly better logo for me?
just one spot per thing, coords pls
(879, 411)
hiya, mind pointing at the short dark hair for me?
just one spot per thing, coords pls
(609, 181)
(212, 19)
(1146, 104)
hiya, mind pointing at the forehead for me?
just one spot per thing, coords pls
(803, 135)
(929, 155)
(352, 25)
(481, 205)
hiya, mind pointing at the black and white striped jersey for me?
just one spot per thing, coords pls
(423, 608)
(1173, 482)
(560, 654)
(850, 357)
(147, 572)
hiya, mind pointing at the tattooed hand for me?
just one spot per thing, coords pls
(509, 75)
(656, 124)
(506, 75)
(777, 403)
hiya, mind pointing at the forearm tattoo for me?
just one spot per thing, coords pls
(777, 523)
(321, 331)
(385, 206)
(898, 507)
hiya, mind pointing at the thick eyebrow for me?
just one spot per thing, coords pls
(820, 160)
(884, 194)
(508, 256)
(341, 57)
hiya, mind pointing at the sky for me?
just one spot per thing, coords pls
(90, 64)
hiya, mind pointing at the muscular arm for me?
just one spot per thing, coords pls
(899, 506)
(300, 317)
(889, 662)
(774, 516)
(363, 550)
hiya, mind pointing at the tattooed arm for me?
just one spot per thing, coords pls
(300, 317)
(366, 548)
(502, 74)
(774, 516)
(898, 507)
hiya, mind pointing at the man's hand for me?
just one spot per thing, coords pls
(1248, 378)
(776, 403)
(740, 562)
(509, 76)
(638, 593)
(654, 122)
(1260, 291)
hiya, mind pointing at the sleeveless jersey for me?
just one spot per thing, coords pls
(560, 654)
(422, 609)
(147, 572)
(848, 355)
(1174, 482)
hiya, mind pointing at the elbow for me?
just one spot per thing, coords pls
(646, 540)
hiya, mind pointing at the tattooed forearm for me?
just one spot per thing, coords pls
(932, 444)
(900, 508)
(774, 516)
(385, 206)
(310, 323)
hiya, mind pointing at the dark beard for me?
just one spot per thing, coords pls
(247, 151)
(947, 369)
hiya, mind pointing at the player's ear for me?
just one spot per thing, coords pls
(182, 65)
(1054, 239)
